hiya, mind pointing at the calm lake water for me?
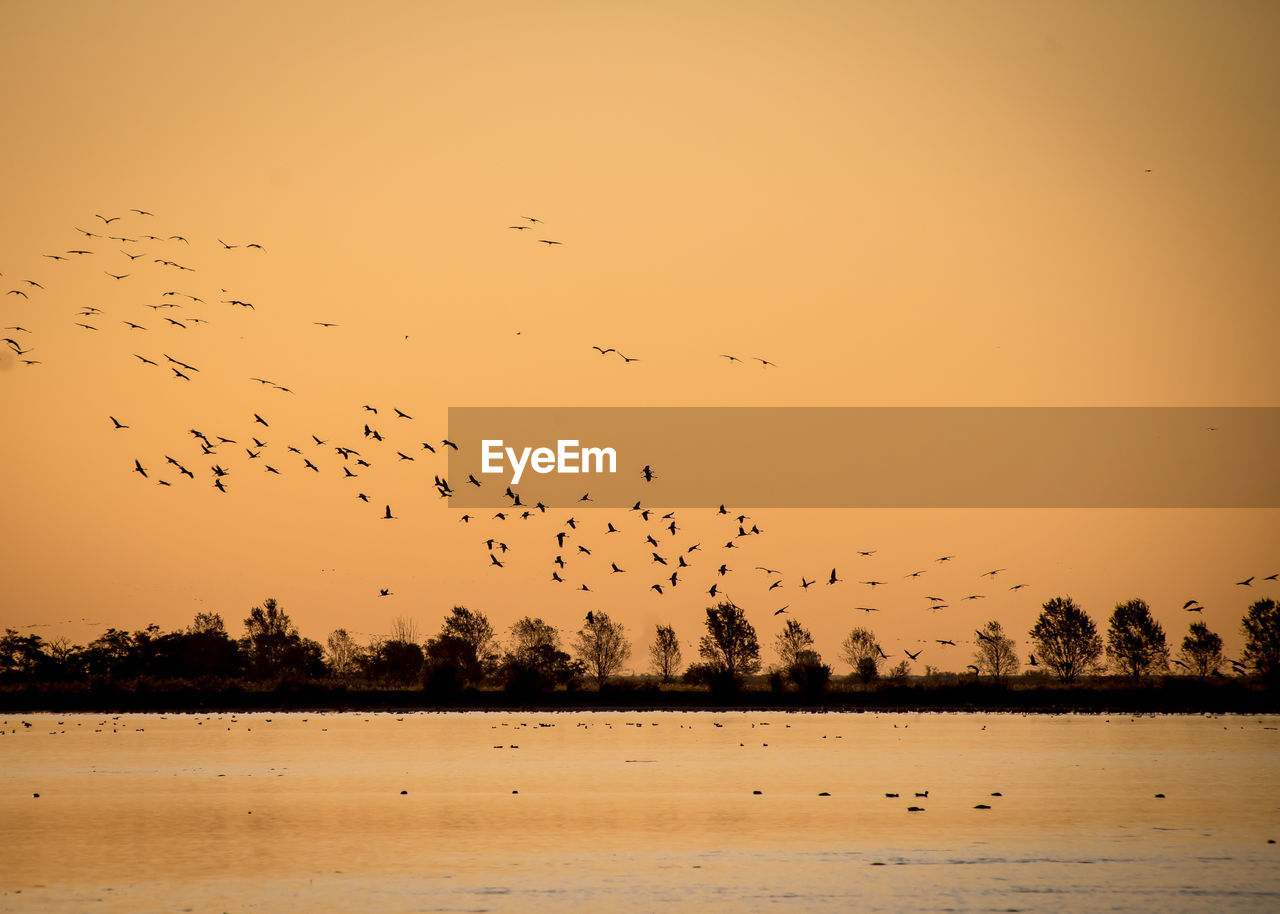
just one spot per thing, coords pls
(638, 812)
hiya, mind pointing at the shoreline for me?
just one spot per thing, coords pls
(1228, 698)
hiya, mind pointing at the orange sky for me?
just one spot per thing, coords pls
(899, 204)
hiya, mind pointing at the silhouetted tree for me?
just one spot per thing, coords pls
(450, 665)
(601, 645)
(699, 674)
(1066, 639)
(342, 654)
(809, 673)
(207, 624)
(1202, 650)
(205, 649)
(273, 647)
(898, 675)
(64, 659)
(1261, 625)
(730, 646)
(472, 626)
(404, 629)
(534, 661)
(22, 657)
(995, 652)
(862, 652)
(1135, 640)
(462, 654)
(789, 643)
(267, 632)
(398, 662)
(110, 655)
(664, 653)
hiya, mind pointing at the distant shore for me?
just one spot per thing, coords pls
(1169, 697)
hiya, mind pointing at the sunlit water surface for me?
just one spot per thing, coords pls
(638, 812)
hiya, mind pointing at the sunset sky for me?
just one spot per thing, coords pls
(899, 204)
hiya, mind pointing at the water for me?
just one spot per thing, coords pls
(638, 812)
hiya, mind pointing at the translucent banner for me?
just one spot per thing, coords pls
(864, 457)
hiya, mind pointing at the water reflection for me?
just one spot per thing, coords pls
(636, 811)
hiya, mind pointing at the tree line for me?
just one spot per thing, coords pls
(466, 653)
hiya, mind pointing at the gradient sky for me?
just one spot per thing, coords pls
(900, 204)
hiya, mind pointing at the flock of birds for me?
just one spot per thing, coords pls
(657, 549)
